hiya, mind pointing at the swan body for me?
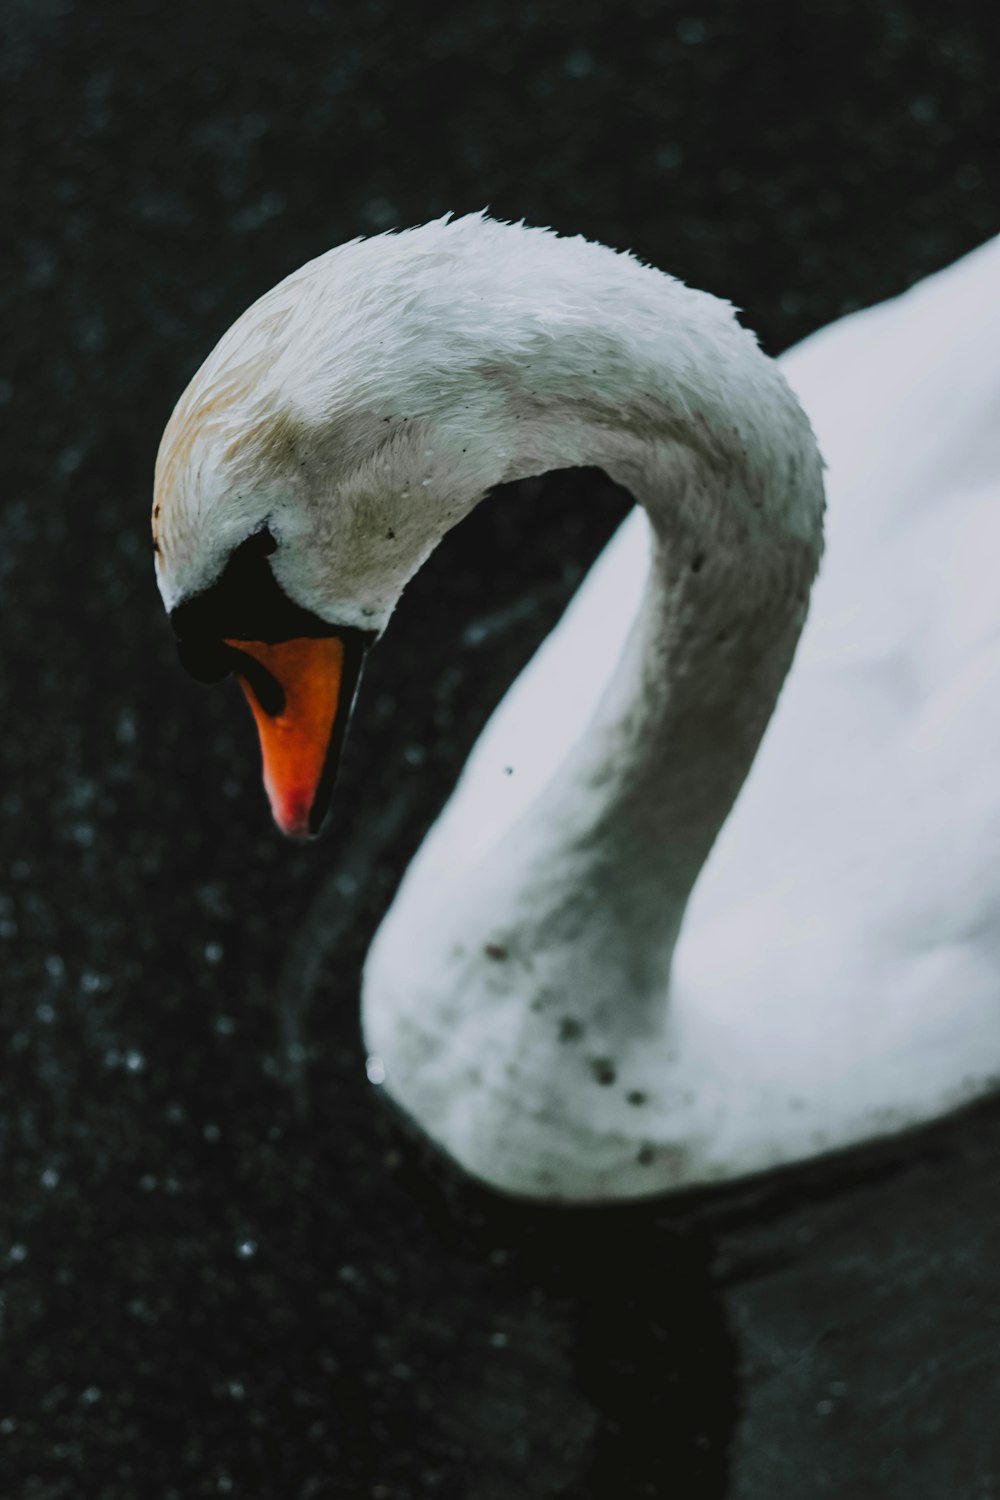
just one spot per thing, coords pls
(584, 989)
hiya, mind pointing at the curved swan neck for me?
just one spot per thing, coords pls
(604, 862)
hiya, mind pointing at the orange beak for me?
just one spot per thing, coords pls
(301, 692)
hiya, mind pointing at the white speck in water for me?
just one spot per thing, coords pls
(414, 755)
(237, 1390)
(17, 1253)
(92, 983)
(225, 1025)
(690, 31)
(45, 1013)
(125, 728)
(54, 966)
(112, 1057)
(824, 1408)
(91, 1395)
(499, 1340)
(213, 952)
(424, 484)
(50, 1178)
(147, 1182)
(224, 1483)
(246, 1249)
(375, 1068)
(579, 64)
(346, 884)
(668, 156)
(212, 1132)
(134, 1061)
(381, 212)
(7, 1426)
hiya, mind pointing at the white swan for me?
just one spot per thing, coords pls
(543, 997)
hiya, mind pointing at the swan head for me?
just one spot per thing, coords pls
(361, 408)
(344, 423)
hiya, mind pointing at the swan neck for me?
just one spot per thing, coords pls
(603, 864)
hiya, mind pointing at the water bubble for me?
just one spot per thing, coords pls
(147, 1182)
(225, 1025)
(236, 1389)
(45, 1013)
(246, 1249)
(668, 156)
(499, 1340)
(91, 1395)
(125, 728)
(690, 31)
(381, 212)
(17, 1253)
(212, 1132)
(54, 966)
(134, 1061)
(579, 64)
(50, 1178)
(7, 1426)
(375, 1068)
(213, 952)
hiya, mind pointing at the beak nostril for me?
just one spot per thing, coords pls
(265, 687)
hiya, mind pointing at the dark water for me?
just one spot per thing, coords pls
(228, 1271)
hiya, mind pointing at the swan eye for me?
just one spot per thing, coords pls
(211, 661)
(264, 686)
(206, 661)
